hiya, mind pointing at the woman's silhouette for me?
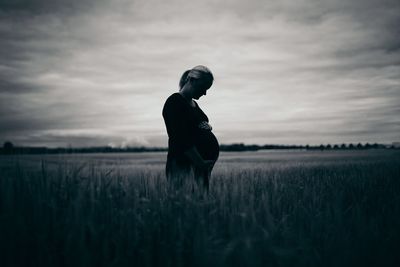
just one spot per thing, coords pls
(192, 147)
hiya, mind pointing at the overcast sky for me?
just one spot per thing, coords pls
(286, 72)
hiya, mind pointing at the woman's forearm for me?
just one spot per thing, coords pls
(194, 155)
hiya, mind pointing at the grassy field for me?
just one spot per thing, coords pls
(267, 208)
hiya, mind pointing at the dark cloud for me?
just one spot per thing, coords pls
(57, 139)
(15, 87)
(46, 6)
(15, 120)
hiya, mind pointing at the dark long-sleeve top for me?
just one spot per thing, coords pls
(185, 127)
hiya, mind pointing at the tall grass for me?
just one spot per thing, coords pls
(83, 215)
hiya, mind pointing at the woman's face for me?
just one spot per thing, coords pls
(200, 88)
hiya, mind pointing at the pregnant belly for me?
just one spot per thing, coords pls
(207, 145)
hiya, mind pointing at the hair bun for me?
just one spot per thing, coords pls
(197, 71)
(202, 68)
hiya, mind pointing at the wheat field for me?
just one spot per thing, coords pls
(267, 208)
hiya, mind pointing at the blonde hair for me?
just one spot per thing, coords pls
(198, 72)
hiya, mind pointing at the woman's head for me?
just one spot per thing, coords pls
(200, 79)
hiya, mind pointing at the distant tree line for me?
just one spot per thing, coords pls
(243, 147)
(8, 148)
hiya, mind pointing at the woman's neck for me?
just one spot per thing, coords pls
(187, 98)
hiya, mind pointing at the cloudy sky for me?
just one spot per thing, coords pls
(86, 73)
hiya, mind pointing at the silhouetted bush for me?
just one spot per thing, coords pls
(8, 147)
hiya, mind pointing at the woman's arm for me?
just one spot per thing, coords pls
(193, 154)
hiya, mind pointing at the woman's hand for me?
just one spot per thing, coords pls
(205, 126)
(198, 161)
(208, 165)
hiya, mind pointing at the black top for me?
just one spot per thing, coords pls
(184, 127)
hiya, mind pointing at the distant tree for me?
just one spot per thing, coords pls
(328, 146)
(8, 147)
(343, 146)
(321, 147)
(351, 146)
(307, 146)
(396, 144)
(367, 146)
(359, 146)
(335, 146)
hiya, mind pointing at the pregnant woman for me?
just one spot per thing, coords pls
(192, 147)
